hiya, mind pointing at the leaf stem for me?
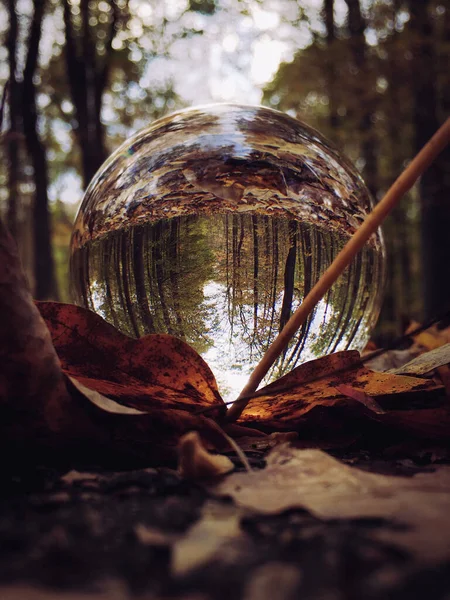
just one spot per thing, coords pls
(373, 220)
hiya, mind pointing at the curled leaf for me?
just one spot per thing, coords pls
(195, 462)
(426, 362)
(156, 371)
(34, 402)
(47, 417)
(287, 401)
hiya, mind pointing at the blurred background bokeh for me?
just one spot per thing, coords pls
(83, 75)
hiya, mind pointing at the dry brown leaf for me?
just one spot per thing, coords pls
(156, 371)
(103, 402)
(47, 417)
(120, 433)
(156, 433)
(437, 359)
(36, 409)
(329, 489)
(121, 399)
(195, 462)
(391, 359)
(426, 362)
(286, 402)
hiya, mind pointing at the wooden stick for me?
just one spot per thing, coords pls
(371, 223)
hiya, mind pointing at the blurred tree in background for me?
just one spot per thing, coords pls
(372, 75)
(378, 85)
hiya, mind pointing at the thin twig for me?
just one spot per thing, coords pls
(234, 446)
(373, 220)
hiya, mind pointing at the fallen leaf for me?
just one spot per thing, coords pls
(34, 402)
(391, 359)
(287, 401)
(123, 434)
(330, 489)
(426, 362)
(46, 417)
(114, 398)
(103, 402)
(437, 359)
(156, 371)
(195, 462)
(430, 423)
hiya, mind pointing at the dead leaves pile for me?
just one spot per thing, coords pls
(73, 388)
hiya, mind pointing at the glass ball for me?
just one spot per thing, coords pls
(212, 224)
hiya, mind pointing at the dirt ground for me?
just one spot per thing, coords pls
(148, 534)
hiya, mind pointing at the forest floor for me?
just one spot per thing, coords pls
(149, 534)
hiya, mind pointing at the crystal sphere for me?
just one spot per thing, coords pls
(212, 224)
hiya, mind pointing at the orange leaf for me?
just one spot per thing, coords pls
(46, 417)
(156, 371)
(316, 383)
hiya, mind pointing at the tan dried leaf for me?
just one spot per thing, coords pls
(426, 362)
(330, 489)
(195, 462)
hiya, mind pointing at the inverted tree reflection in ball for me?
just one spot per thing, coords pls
(212, 225)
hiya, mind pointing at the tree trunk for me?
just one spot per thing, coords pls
(434, 184)
(44, 268)
(140, 249)
(255, 273)
(14, 121)
(87, 81)
(364, 93)
(399, 228)
(330, 66)
(289, 276)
